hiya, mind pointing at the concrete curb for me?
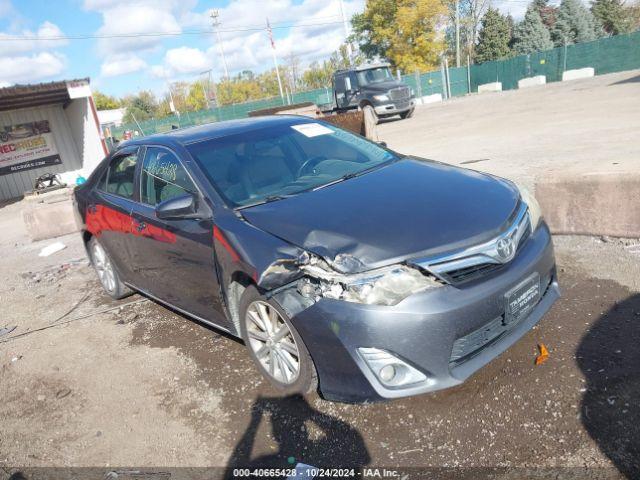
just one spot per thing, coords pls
(532, 81)
(592, 204)
(578, 73)
(490, 87)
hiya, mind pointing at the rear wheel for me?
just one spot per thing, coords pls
(274, 345)
(107, 273)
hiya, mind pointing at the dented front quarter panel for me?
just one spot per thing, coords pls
(241, 247)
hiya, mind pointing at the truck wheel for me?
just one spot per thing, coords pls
(407, 114)
(275, 346)
(371, 112)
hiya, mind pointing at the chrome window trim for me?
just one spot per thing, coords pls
(485, 253)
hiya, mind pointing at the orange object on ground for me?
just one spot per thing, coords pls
(544, 354)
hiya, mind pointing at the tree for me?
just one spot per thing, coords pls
(633, 14)
(547, 12)
(142, 106)
(196, 99)
(494, 37)
(406, 32)
(574, 24)
(530, 34)
(612, 16)
(105, 102)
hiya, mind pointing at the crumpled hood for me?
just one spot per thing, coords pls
(408, 209)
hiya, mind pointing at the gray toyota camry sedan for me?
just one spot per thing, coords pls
(343, 266)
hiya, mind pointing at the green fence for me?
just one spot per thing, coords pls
(607, 55)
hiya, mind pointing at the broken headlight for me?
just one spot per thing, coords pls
(535, 214)
(385, 286)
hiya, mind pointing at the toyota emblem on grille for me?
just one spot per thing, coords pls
(506, 247)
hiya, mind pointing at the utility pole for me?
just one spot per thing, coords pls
(275, 59)
(205, 88)
(216, 24)
(457, 33)
(346, 31)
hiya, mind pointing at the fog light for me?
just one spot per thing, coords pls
(387, 373)
(389, 369)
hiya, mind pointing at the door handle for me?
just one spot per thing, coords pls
(139, 226)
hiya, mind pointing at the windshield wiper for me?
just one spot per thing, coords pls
(268, 199)
(351, 175)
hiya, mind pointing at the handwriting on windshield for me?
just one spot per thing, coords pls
(164, 170)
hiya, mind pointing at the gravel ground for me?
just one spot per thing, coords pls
(579, 126)
(139, 385)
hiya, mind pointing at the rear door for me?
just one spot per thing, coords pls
(173, 258)
(108, 215)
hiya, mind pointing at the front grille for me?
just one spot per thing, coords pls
(479, 260)
(400, 93)
(466, 347)
(476, 271)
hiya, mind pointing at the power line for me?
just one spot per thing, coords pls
(157, 34)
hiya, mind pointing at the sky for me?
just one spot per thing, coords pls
(310, 29)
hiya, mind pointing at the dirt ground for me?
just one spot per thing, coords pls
(139, 385)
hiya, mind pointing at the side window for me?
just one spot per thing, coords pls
(120, 176)
(353, 81)
(163, 177)
(340, 83)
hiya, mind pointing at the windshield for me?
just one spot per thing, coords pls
(374, 75)
(271, 162)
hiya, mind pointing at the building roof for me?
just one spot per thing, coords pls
(37, 94)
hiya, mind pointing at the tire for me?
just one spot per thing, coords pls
(260, 336)
(372, 112)
(106, 271)
(407, 114)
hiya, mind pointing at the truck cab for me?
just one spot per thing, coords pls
(373, 88)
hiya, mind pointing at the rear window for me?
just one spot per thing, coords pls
(120, 176)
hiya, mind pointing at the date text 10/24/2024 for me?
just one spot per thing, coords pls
(302, 471)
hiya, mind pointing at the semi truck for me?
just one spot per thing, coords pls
(372, 88)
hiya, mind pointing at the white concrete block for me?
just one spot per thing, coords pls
(532, 81)
(490, 87)
(436, 97)
(578, 73)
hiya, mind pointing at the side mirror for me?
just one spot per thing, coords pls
(382, 144)
(182, 207)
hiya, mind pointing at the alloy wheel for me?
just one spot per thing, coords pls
(103, 266)
(272, 341)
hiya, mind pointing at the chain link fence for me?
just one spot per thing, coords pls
(606, 55)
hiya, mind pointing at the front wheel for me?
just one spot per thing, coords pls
(275, 346)
(407, 114)
(107, 273)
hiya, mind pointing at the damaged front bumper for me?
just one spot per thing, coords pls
(422, 330)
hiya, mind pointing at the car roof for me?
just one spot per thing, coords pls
(185, 136)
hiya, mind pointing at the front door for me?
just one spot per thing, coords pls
(173, 259)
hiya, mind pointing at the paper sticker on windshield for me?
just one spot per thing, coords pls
(312, 129)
